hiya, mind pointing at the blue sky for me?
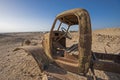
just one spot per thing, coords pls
(38, 15)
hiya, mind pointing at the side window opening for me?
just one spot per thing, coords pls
(58, 23)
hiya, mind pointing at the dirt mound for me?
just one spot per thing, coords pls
(106, 40)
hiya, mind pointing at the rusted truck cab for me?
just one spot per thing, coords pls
(54, 43)
(75, 56)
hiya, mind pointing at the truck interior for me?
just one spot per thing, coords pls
(62, 39)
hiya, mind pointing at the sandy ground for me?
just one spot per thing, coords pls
(20, 66)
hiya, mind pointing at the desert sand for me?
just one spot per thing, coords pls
(19, 65)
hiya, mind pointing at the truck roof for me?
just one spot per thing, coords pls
(70, 16)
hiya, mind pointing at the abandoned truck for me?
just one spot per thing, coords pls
(77, 57)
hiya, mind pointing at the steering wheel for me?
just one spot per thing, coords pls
(67, 33)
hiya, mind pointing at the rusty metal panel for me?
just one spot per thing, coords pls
(107, 66)
(47, 46)
(109, 56)
(85, 40)
(38, 54)
(67, 64)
